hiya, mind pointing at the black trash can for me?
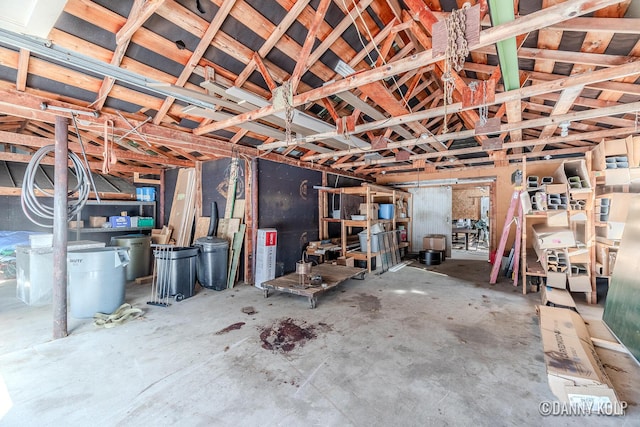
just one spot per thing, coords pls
(211, 268)
(176, 271)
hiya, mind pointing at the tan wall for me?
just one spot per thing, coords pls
(504, 188)
(465, 202)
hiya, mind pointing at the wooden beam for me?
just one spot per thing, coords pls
(92, 150)
(598, 135)
(550, 86)
(275, 36)
(599, 24)
(563, 105)
(565, 56)
(198, 52)
(95, 166)
(309, 41)
(23, 70)
(531, 22)
(329, 41)
(264, 72)
(332, 111)
(140, 12)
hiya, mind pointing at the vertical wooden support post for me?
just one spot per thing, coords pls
(523, 237)
(252, 221)
(369, 243)
(590, 229)
(493, 219)
(60, 229)
(323, 226)
(161, 207)
(198, 189)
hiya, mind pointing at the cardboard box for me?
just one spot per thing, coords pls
(617, 177)
(553, 297)
(348, 261)
(546, 237)
(557, 219)
(616, 147)
(374, 208)
(611, 230)
(580, 283)
(120, 221)
(436, 242)
(142, 221)
(574, 371)
(573, 168)
(266, 245)
(619, 206)
(97, 221)
(556, 188)
(161, 236)
(578, 255)
(556, 280)
(76, 224)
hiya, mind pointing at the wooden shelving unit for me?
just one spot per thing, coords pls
(370, 194)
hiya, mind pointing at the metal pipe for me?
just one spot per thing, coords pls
(60, 229)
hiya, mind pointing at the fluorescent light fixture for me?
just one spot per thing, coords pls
(442, 182)
(373, 155)
(344, 69)
(428, 134)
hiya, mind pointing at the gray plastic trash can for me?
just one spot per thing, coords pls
(96, 280)
(211, 268)
(139, 254)
(176, 271)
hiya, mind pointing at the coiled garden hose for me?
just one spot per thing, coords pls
(34, 207)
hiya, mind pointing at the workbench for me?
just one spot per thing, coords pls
(332, 276)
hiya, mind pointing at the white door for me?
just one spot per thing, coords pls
(431, 214)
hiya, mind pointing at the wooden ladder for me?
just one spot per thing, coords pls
(515, 201)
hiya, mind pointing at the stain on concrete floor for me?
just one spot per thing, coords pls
(230, 328)
(366, 303)
(284, 335)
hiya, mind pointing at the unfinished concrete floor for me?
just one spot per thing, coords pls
(401, 349)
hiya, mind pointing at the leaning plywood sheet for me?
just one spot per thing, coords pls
(227, 227)
(234, 258)
(574, 371)
(202, 227)
(183, 207)
(238, 209)
(622, 309)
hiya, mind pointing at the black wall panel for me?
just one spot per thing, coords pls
(288, 203)
(215, 179)
(170, 178)
(13, 219)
